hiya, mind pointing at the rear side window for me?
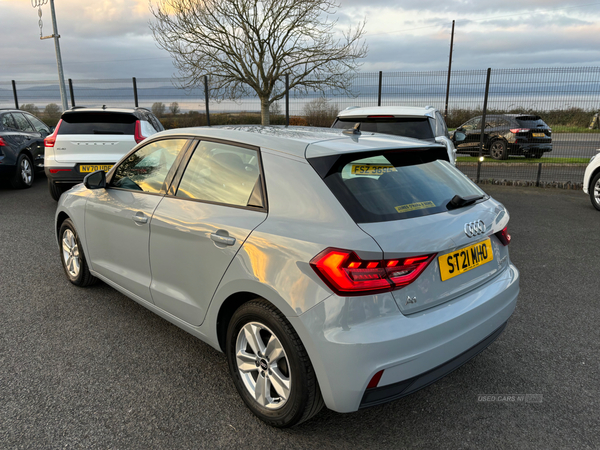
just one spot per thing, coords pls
(222, 173)
(22, 123)
(530, 121)
(396, 185)
(418, 128)
(97, 123)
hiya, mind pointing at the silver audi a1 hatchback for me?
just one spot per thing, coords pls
(332, 267)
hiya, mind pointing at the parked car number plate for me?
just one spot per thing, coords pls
(465, 259)
(371, 169)
(89, 168)
(538, 134)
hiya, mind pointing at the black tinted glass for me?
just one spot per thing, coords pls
(396, 185)
(97, 123)
(418, 128)
(530, 122)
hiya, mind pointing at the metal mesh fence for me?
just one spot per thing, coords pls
(564, 98)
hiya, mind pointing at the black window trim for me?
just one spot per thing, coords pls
(172, 171)
(172, 190)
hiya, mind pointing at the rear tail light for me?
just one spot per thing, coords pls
(504, 236)
(380, 117)
(50, 140)
(346, 274)
(138, 136)
(519, 130)
(2, 142)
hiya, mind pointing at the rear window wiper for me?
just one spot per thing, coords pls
(459, 202)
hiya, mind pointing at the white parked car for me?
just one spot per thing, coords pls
(88, 139)
(332, 268)
(591, 180)
(409, 121)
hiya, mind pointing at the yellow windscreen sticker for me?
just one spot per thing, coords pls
(415, 206)
(372, 169)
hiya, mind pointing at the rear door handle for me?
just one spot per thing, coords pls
(225, 240)
(140, 218)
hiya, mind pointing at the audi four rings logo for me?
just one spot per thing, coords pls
(474, 228)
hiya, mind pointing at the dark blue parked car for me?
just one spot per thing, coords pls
(21, 147)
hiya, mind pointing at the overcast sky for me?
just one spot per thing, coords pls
(111, 39)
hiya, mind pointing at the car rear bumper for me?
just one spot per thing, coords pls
(519, 148)
(413, 351)
(68, 174)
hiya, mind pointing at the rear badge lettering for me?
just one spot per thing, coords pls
(410, 300)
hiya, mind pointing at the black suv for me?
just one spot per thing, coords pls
(504, 135)
(21, 146)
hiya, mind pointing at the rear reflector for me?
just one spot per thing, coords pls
(346, 274)
(59, 170)
(50, 140)
(375, 380)
(504, 236)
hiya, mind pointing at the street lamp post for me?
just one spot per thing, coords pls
(61, 77)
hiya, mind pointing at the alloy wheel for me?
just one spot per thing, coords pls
(597, 192)
(263, 365)
(26, 171)
(70, 253)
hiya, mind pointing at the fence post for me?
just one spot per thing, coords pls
(380, 85)
(15, 94)
(539, 175)
(485, 100)
(72, 94)
(287, 99)
(449, 72)
(135, 96)
(206, 100)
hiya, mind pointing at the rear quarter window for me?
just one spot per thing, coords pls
(97, 123)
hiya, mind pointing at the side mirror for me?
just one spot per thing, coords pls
(95, 180)
(459, 137)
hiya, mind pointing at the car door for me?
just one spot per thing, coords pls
(117, 219)
(196, 230)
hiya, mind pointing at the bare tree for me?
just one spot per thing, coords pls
(250, 45)
(158, 109)
(174, 108)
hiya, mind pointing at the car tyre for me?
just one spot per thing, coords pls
(594, 190)
(498, 149)
(24, 173)
(72, 257)
(270, 367)
(55, 190)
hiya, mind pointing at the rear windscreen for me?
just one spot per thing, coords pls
(418, 128)
(97, 123)
(530, 121)
(396, 185)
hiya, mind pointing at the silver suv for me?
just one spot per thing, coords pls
(90, 139)
(420, 123)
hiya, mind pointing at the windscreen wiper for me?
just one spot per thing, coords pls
(458, 201)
